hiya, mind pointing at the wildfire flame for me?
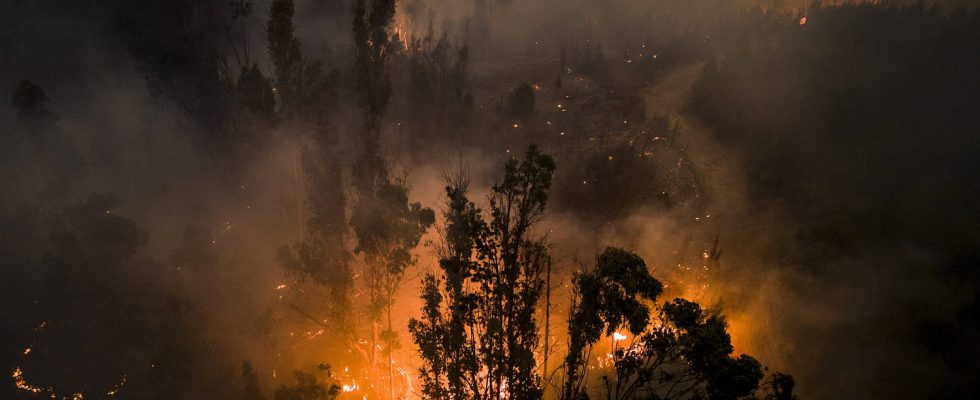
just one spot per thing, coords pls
(22, 384)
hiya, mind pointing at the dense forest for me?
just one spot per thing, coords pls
(489, 199)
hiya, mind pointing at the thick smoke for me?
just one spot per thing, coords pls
(813, 179)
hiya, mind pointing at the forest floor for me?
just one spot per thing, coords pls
(716, 167)
(742, 226)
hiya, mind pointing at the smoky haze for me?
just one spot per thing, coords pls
(809, 170)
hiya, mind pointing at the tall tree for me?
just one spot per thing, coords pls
(478, 333)
(373, 46)
(448, 352)
(386, 226)
(372, 49)
(323, 254)
(511, 262)
(302, 86)
(387, 229)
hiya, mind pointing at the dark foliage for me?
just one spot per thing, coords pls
(323, 254)
(686, 353)
(372, 49)
(309, 387)
(387, 228)
(432, 77)
(780, 387)
(302, 87)
(102, 299)
(479, 343)
(185, 60)
(682, 353)
(609, 297)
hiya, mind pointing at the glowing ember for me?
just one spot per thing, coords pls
(22, 384)
(115, 389)
(350, 388)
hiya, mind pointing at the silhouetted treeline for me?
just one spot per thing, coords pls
(859, 121)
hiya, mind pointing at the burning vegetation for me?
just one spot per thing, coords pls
(380, 199)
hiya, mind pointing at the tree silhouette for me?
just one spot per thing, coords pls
(283, 45)
(682, 353)
(609, 297)
(449, 354)
(301, 85)
(323, 254)
(435, 80)
(387, 229)
(478, 333)
(780, 386)
(686, 353)
(372, 48)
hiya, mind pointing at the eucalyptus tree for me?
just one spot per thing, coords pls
(681, 352)
(478, 333)
(608, 297)
(387, 228)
